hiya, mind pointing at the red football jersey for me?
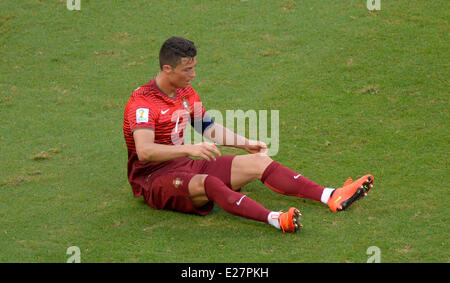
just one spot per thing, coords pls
(150, 108)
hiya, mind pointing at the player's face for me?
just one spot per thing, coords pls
(184, 73)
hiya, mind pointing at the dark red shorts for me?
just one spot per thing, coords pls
(167, 188)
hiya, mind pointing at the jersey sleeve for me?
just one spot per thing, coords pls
(141, 115)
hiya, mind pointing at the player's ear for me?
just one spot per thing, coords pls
(167, 68)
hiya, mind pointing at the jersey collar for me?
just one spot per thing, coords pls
(155, 85)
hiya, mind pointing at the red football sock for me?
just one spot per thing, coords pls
(234, 202)
(287, 182)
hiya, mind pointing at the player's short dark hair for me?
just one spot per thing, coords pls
(174, 49)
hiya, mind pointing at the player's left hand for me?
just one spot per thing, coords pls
(256, 147)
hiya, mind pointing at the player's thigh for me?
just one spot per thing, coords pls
(220, 168)
(247, 168)
(234, 170)
(171, 191)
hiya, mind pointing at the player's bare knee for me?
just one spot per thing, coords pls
(197, 190)
(256, 164)
(247, 168)
(261, 161)
(263, 158)
(197, 185)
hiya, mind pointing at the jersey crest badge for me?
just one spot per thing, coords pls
(177, 182)
(186, 106)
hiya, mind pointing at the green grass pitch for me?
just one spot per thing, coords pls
(357, 91)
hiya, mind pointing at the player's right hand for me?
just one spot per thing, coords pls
(205, 150)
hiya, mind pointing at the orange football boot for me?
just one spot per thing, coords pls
(343, 197)
(289, 221)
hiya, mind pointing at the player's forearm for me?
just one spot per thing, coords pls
(161, 152)
(223, 136)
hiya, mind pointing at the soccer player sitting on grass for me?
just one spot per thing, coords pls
(160, 168)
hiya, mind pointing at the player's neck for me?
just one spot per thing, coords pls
(165, 86)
